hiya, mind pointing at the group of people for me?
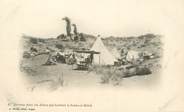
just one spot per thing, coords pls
(130, 56)
(68, 58)
(75, 36)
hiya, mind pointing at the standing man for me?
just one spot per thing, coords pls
(75, 29)
(68, 27)
(75, 32)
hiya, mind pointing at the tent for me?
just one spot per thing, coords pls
(104, 57)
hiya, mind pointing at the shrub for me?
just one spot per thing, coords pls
(26, 55)
(34, 40)
(59, 46)
(108, 74)
(41, 40)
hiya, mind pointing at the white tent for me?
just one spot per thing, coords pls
(105, 57)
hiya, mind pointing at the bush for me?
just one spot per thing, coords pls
(34, 40)
(105, 78)
(41, 40)
(108, 74)
(26, 55)
(61, 36)
(59, 46)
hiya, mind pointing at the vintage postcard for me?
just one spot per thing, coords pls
(91, 56)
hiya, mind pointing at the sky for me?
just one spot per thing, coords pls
(43, 18)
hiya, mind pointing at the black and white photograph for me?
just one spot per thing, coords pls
(75, 58)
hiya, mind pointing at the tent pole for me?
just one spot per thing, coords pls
(99, 59)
